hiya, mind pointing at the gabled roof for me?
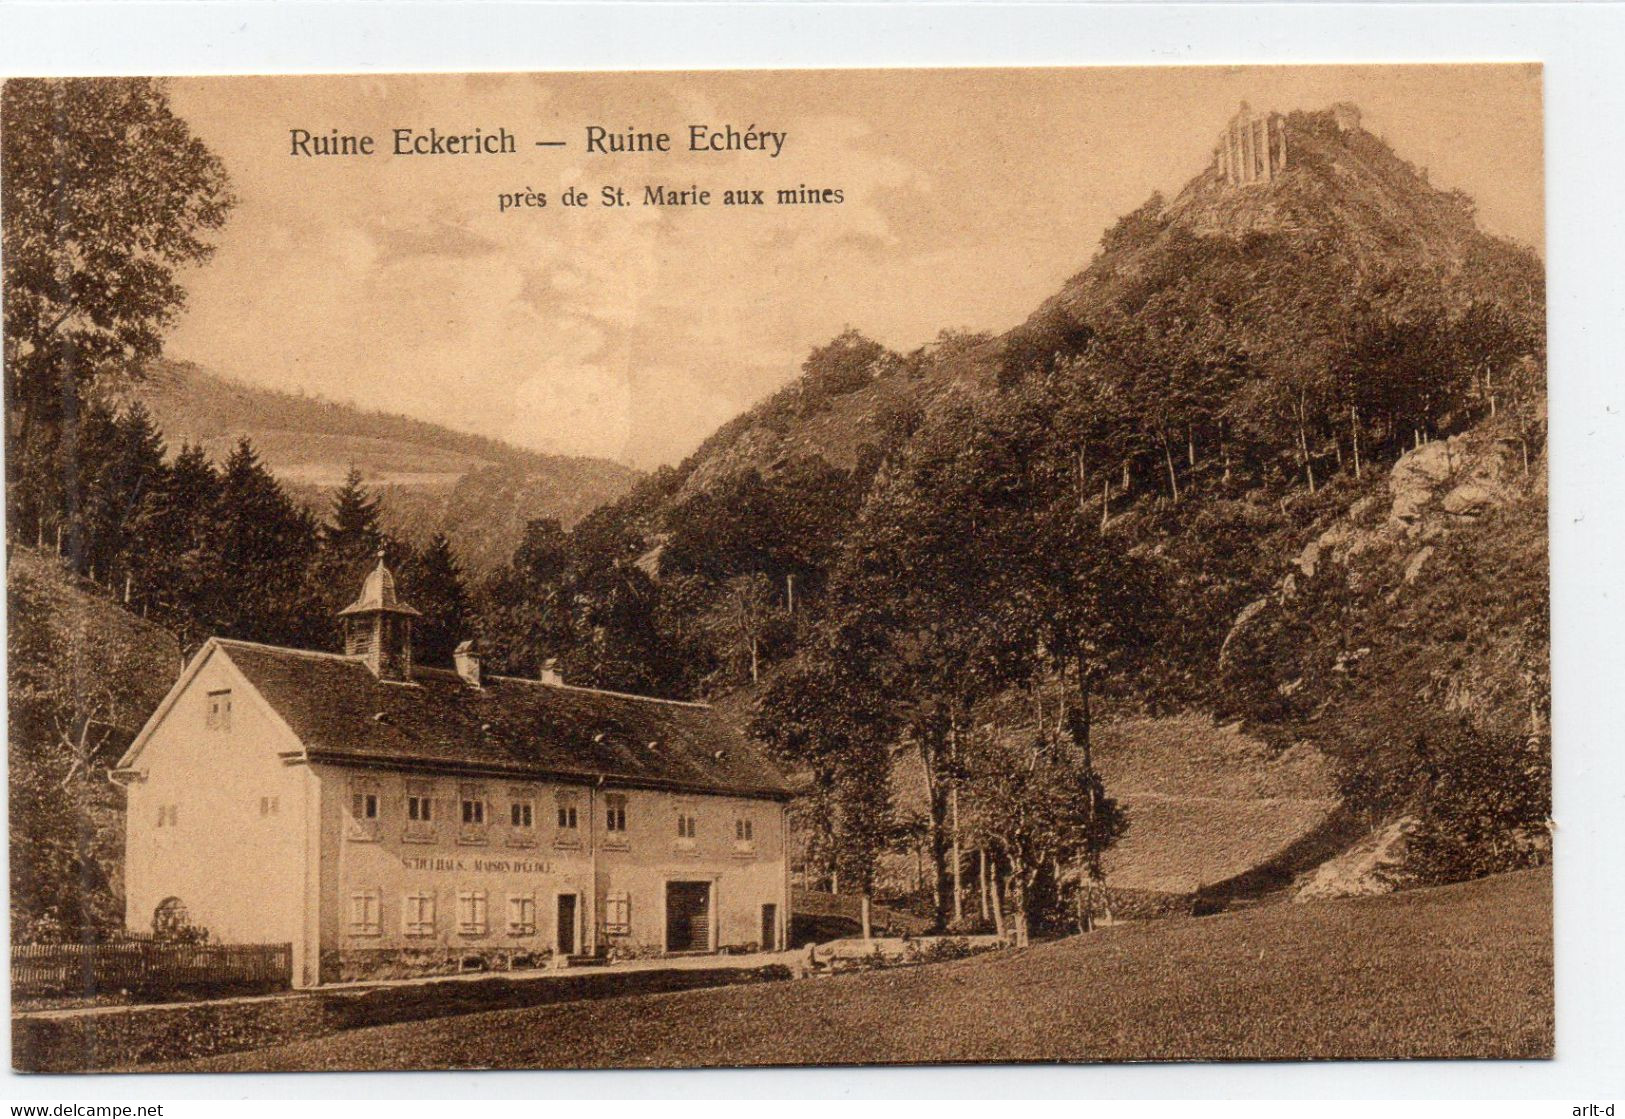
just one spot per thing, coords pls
(342, 713)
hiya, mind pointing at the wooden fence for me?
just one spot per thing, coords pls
(144, 965)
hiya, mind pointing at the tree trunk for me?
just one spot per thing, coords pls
(959, 888)
(1168, 457)
(932, 752)
(1083, 482)
(1303, 447)
(868, 931)
(981, 877)
(1018, 904)
(998, 900)
(1354, 436)
(1105, 502)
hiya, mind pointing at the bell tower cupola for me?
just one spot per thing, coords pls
(378, 626)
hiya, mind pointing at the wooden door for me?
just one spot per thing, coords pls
(770, 927)
(567, 925)
(688, 916)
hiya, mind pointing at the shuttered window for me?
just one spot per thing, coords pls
(472, 913)
(366, 912)
(417, 915)
(618, 913)
(522, 915)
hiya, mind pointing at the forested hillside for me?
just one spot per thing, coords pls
(1083, 508)
(83, 675)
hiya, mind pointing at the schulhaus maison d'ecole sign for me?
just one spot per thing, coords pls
(386, 818)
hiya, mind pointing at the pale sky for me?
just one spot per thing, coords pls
(631, 333)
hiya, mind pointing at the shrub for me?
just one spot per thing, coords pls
(1486, 808)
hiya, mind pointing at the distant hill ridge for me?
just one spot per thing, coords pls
(479, 491)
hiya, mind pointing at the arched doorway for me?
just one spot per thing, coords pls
(170, 918)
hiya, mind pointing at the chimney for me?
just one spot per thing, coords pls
(467, 659)
(550, 672)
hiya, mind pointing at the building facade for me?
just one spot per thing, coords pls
(391, 819)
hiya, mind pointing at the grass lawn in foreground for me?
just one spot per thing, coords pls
(1458, 971)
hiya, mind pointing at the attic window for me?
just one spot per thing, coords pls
(219, 710)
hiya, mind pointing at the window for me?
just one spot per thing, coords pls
(615, 813)
(618, 913)
(420, 813)
(744, 837)
(522, 915)
(366, 913)
(687, 829)
(364, 809)
(564, 814)
(219, 711)
(269, 806)
(521, 818)
(417, 915)
(471, 912)
(168, 815)
(473, 816)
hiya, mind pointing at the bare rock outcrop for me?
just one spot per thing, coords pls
(1365, 869)
(1430, 490)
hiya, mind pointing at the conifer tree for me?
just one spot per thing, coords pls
(125, 487)
(433, 583)
(262, 546)
(349, 542)
(353, 525)
(171, 539)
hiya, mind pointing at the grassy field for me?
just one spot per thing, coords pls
(1460, 971)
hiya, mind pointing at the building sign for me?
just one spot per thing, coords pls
(479, 866)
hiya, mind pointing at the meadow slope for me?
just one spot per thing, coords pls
(1456, 971)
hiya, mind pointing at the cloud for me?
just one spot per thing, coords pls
(440, 238)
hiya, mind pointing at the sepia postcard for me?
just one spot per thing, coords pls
(672, 569)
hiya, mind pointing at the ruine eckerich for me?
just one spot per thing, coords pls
(598, 141)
